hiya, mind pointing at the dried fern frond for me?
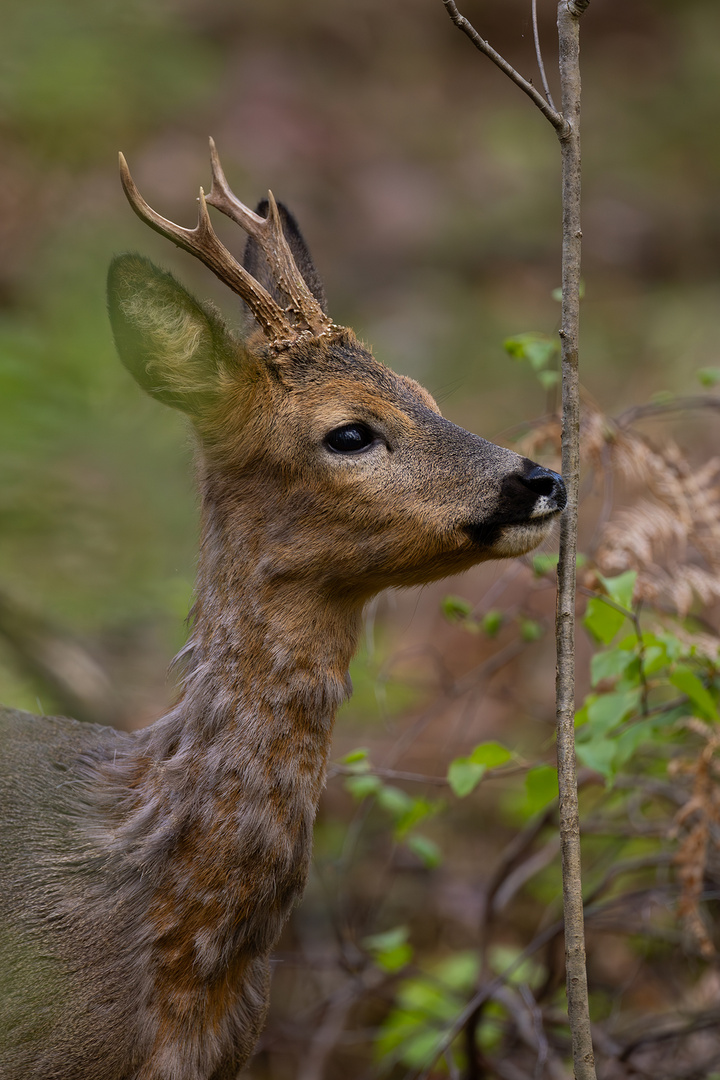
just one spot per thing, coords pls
(696, 827)
(671, 533)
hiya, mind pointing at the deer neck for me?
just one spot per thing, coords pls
(240, 762)
(266, 635)
(208, 813)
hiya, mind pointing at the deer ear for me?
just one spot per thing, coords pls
(171, 344)
(256, 264)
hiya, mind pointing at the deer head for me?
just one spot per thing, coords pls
(346, 473)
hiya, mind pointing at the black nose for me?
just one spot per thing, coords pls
(548, 483)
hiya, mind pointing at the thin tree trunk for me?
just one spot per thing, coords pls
(576, 973)
(567, 126)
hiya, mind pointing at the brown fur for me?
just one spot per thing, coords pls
(147, 876)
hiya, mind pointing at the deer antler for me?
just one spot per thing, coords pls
(277, 323)
(268, 232)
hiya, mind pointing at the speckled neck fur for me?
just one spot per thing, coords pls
(215, 803)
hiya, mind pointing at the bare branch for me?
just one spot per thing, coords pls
(567, 126)
(555, 118)
(662, 408)
(538, 54)
(421, 778)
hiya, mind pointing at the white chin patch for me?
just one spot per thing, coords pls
(544, 506)
(517, 539)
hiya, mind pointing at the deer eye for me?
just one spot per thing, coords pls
(350, 438)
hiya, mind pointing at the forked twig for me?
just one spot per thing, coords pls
(546, 108)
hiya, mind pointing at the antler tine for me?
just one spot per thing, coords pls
(269, 234)
(222, 198)
(203, 243)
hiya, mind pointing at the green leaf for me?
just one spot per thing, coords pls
(393, 960)
(631, 677)
(458, 972)
(530, 630)
(610, 664)
(396, 801)
(426, 850)
(405, 1037)
(581, 716)
(416, 811)
(708, 376)
(602, 621)
(454, 608)
(361, 787)
(389, 939)
(541, 787)
(627, 743)
(491, 623)
(361, 753)
(427, 996)
(620, 588)
(655, 658)
(673, 646)
(528, 971)
(490, 754)
(598, 754)
(465, 773)
(537, 349)
(548, 379)
(464, 776)
(688, 683)
(609, 710)
(391, 951)
(359, 759)
(425, 1006)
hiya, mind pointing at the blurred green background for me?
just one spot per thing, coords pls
(428, 189)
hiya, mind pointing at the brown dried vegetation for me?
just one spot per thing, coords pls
(671, 533)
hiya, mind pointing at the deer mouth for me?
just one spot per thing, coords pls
(529, 502)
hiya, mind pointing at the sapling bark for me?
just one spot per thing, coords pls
(567, 127)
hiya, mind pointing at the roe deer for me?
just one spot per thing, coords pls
(146, 876)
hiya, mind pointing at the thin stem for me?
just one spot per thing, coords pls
(421, 778)
(576, 973)
(555, 118)
(538, 54)
(567, 126)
